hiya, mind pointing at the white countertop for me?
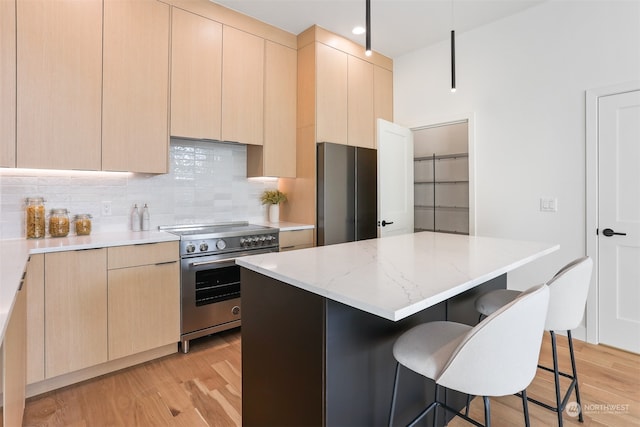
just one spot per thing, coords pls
(14, 254)
(286, 225)
(395, 277)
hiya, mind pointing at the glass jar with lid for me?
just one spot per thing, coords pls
(34, 223)
(59, 223)
(83, 224)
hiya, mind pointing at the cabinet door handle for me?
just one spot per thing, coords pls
(166, 262)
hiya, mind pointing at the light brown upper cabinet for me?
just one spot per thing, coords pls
(277, 157)
(361, 123)
(331, 92)
(242, 86)
(347, 90)
(196, 76)
(8, 83)
(383, 93)
(59, 61)
(135, 107)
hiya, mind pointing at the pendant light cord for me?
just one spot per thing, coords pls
(368, 25)
(453, 51)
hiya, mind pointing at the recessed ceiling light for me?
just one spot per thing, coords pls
(358, 30)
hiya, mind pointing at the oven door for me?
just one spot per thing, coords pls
(210, 288)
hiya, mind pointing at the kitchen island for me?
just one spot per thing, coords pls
(319, 324)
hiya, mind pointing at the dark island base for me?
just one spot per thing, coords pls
(311, 361)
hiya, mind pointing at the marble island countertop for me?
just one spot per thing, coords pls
(14, 254)
(395, 277)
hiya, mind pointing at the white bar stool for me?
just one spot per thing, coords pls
(568, 288)
(497, 357)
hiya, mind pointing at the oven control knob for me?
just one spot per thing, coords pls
(255, 240)
(204, 246)
(221, 244)
(190, 248)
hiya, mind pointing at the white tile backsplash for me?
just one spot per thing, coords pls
(206, 183)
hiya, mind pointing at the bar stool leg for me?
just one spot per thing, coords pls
(466, 410)
(556, 377)
(487, 412)
(575, 375)
(525, 408)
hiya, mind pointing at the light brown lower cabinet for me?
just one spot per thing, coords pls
(296, 239)
(13, 362)
(89, 307)
(75, 310)
(144, 300)
(35, 318)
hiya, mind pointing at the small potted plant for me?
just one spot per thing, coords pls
(273, 198)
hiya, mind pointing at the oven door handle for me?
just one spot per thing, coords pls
(218, 261)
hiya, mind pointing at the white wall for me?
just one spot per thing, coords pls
(207, 182)
(523, 79)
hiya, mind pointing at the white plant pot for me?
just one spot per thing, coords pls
(274, 213)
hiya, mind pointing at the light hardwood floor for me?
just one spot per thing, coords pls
(202, 388)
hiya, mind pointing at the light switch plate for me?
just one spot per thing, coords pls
(106, 208)
(549, 204)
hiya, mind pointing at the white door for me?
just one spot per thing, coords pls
(395, 179)
(619, 212)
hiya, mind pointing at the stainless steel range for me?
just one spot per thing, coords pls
(209, 276)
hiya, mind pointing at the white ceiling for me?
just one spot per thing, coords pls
(397, 26)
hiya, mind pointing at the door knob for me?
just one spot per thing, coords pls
(386, 222)
(609, 232)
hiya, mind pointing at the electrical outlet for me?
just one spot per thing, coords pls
(106, 208)
(549, 204)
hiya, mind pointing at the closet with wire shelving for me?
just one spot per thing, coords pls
(441, 179)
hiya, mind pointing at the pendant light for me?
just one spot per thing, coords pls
(453, 61)
(453, 52)
(368, 30)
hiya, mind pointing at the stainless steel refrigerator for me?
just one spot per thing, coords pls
(347, 193)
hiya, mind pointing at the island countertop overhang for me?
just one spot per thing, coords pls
(395, 277)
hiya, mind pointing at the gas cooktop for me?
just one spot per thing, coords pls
(204, 239)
